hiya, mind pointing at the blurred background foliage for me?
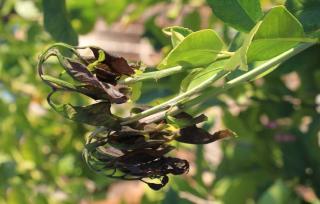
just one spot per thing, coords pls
(275, 159)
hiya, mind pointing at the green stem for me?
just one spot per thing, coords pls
(152, 75)
(177, 99)
(156, 75)
(177, 106)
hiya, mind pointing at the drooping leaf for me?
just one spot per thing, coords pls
(116, 64)
(307, 11)
(195, 135)
(278, 32)
(197, 49)
(183, 120)
(57, 23)
(158, 186)
(97, 114)
(240, 14)
(90, 85)
(58, 83)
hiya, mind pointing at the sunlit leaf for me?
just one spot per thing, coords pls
(197, 49)
(240, 14)
(278, 32)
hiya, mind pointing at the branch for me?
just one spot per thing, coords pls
(176, 105)
(152, 75)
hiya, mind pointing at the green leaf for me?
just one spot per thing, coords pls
(192, 20)
(277, 193)
(234, 61)
(186, 81)
(246, 44)
(307, 11)
(83, 15)
(278, 32)
(240, 14)
(196, 77)
(177, 34)
(57, 23)
(197, 49)
(238, 187)
(239, 59)
(112, 10)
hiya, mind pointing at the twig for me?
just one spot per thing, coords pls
(177, 106)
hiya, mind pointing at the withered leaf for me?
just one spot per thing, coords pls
(158, 186)
(195, 135)
(116, 64)
(97, 114)
(177, 166)
(106, 76)
(183, 119)
(79, 72)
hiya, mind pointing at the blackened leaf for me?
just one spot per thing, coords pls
(57, 23)
(115, 63)
(114, 94)
(183, 120)
(176, 166)
(195, 135)
(79, 72)
(155, 186)
(106, 76)
(92, 92)
(97, 114)
(165, 180)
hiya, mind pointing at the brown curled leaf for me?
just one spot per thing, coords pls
(183, 119)
(106, 76)
(195, 135)
(80, 73)
(97, 114)
(116, 64)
